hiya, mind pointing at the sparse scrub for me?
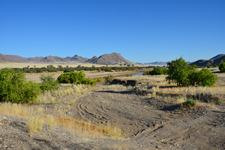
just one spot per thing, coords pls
(48, 82)
(72, 102)
(51, 121)
(84, 91)
(52, 100)
(189, 103)
(153, 92)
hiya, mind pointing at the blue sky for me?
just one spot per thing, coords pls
(140, 30)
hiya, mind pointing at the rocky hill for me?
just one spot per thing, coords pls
(109, 59)
(4, 58)
(213, 61)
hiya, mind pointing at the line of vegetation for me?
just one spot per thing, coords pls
(77, 78)
(51, 68)
(15, 88)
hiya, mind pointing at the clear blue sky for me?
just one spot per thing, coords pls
(140, 30)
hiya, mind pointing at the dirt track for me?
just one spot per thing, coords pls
(154, 123)
(146, 123)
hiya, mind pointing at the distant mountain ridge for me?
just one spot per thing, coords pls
(216, 60)
(106, 59)
(156, 63)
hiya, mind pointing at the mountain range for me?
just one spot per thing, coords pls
(156, 63)
(106, 59)
(210, 62)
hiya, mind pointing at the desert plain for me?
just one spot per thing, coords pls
(149, 115)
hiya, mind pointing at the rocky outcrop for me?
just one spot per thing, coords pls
(124, 82)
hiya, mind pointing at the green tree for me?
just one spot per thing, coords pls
(222, 67)
(15, 88)
(178, 71)
(184, 75)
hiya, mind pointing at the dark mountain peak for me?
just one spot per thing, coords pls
(218, 56)
(78, 58)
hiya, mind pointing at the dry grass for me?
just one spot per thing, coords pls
(116, 87)
(34, 123)
(36, 116)
(72, 102)
(52, 97)
(14, 109)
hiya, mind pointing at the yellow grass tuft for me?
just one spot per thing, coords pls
(34, 123)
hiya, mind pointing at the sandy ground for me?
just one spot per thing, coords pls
(146, 123)
(36, 77)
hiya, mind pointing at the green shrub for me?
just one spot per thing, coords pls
(15, 88)
(52, 70)
(157, 71)
(98, 79)
(48, 83)
(184, 75)
(222, 67)
(75, 78)
(206, 78)
(109, 78)
(189, 103)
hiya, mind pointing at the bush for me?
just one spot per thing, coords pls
(98, 79)
(157, 71)
(189, 103)
(184, 75)
(109, 78)
(75, 78)
(52, 70)
(15, 88)
(206, 78)
(178, 72)
(222, 67)
(48, 83)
